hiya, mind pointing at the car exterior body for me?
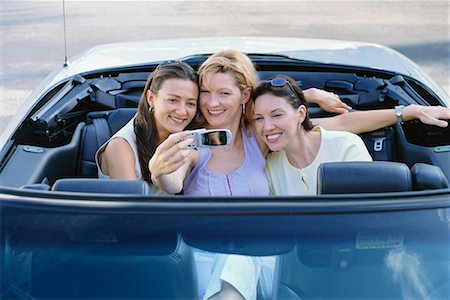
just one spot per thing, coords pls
(84, 238)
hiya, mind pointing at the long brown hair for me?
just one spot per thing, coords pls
(147, 137)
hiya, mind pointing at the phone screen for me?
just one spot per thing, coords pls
(215, 138)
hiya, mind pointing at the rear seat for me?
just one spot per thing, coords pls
(100, 127)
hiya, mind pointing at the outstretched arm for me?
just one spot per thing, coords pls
(328, 101)
(366, 121)
(171, 162)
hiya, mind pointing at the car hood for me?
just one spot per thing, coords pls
(324, 51)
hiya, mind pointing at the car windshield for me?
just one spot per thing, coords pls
(146, 250)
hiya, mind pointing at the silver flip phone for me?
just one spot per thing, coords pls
(210, 137)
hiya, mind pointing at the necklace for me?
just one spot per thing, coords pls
(303, 178)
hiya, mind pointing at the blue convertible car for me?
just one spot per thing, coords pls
(376, 230)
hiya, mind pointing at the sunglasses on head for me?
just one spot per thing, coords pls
(168, 62)
(280, 82)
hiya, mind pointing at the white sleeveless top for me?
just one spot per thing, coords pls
(127, 133)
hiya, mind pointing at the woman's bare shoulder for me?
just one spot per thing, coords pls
(118, 158)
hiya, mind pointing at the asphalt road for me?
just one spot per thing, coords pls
(32, 39)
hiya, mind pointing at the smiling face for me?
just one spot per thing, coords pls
(276, 121)
(221, 100)
(174, 105)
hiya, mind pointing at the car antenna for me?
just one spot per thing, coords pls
(66, 60)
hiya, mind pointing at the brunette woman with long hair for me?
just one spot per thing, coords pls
(167, 105)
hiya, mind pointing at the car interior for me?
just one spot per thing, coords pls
(61, 135)
(57, 143)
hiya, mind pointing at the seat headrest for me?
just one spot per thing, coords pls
(106, 186)
(428, 177)
(363, 177)
(116, 118)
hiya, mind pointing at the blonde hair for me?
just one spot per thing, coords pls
(240, 67)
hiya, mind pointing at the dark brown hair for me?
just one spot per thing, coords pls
(290, 92)
(147, 137)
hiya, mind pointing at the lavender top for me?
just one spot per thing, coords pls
(248, 180)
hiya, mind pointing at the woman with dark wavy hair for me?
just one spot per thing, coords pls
(298, 147)
(167, 105)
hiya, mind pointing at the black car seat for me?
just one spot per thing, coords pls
(378, 177)
(100, 126)
(363, 177)
(428, 177)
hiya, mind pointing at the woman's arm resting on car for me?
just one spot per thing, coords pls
(328, 101)
(366, 121)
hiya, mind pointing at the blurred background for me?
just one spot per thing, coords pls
(32, 32)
